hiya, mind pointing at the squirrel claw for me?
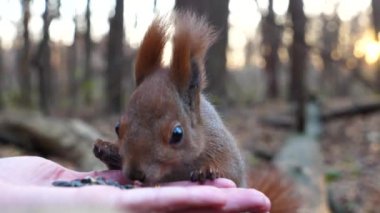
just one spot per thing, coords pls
(197, 176)
(201, 176)
(212, 175)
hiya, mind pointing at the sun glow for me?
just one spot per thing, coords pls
(368, 48)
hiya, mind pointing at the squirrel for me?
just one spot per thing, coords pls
(170, 131)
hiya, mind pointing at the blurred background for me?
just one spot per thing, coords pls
(281, 70)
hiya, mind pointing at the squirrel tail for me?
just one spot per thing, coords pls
(280, 190)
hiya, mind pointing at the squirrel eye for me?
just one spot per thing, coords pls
(177, 134)
(117, 128)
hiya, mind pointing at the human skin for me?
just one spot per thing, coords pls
(25, 182)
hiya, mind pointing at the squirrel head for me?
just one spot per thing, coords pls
(161, 129)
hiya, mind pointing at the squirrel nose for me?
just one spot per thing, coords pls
(136, 175)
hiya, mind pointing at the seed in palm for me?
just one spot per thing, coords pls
(88, 181)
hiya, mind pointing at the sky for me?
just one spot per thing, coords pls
(245, 16)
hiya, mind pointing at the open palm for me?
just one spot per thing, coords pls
(26, 182)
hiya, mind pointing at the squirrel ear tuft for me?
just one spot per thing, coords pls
(149, 56)
(185, 70)
(180, 70)
(191, 40)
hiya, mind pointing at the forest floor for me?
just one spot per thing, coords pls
(351, 149)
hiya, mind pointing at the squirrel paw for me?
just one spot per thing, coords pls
(204, 174)
(108, 153)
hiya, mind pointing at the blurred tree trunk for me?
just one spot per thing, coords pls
(330, 40)
(88, 76)
(72, 67)
(376, 23)
(248, 52)
(155, 6)
(298, 54)
(271, 34)
(217, 13)
(42, 60)
(115, 58)
(24, 71)
(1, 77)
(376, 16)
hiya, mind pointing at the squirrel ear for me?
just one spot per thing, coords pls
(194, 88)
(188, 82)
(149, 56)
(180, 69)
(191, 39)
(184, 71)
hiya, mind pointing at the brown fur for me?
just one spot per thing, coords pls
(168, 96)
(277, 187)
(192, 38)
(150, 55)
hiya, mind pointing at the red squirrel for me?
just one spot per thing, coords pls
(170, 131)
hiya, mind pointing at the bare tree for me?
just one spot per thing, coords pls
(249, 50)
(42, 57)
(298, 54)
(271, 34)
(330, 40)
(376, 23)
(115, 59)
(217, 13)
(1, 77)
(88, 76)
(73, 66)
(155, 6)
(376, 15)
(24, 71)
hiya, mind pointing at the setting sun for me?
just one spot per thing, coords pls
(368, 48)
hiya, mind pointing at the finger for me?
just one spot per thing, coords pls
(29, 170)
(167, 199)
(163, 199)
(240, 199)
(15, 195)
(219, 182)
(136, 200)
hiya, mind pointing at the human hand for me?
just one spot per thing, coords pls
(26, 182)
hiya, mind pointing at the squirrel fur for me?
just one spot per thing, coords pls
(169, 97)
